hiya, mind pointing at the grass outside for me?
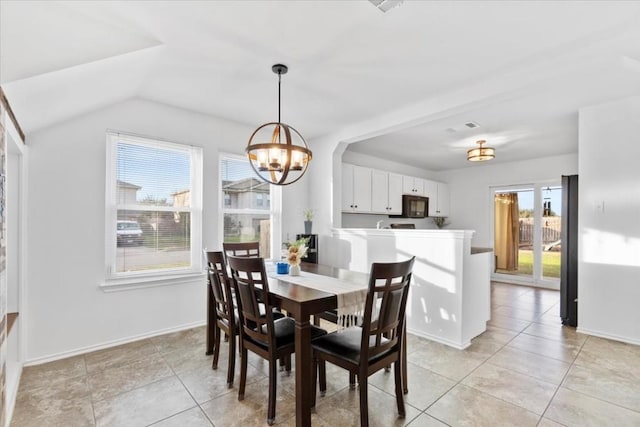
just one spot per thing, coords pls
(550, 263)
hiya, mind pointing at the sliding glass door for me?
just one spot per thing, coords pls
(526, 228)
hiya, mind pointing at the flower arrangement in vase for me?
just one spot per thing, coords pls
(295, 252)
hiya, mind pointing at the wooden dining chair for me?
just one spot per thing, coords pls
(364, 350)
(265, 336)
(225, 319)
(243, 249)
(332, 317)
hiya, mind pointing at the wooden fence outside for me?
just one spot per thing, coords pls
(551, 229)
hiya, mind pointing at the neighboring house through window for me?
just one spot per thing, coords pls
(247, 213)
(154, 206)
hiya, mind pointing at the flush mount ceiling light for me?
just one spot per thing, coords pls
(277, 152)
(481, 153)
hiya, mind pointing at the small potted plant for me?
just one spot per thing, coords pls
(440, 221)
(308, 217)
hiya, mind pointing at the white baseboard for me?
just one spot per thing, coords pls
(608, 336)
(89, 349)
(456, 345)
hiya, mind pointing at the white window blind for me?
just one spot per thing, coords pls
(154, 200)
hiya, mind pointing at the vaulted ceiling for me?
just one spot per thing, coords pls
(521, 70)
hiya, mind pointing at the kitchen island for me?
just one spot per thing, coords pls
(450, 294)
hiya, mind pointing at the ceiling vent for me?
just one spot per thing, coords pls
(472, 125)
(386, 5)
(450, 130)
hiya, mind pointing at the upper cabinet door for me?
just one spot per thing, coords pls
(347, 187)
(407, 185)
(379, 192)
(439, 199)
(431, 191)
(413, 186)
(361, 189)
(395, 194)
(443, 199)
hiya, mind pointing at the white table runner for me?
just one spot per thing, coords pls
(351, 296)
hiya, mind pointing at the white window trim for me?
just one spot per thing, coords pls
(275, 209)
(134, 280)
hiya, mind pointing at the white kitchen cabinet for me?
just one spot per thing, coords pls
(356, 189)
(439, 199)
(412, 185)
(430, 191)
(395, 194)
(443, 199)
(386, 193)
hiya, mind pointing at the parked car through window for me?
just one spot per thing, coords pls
(129, 233)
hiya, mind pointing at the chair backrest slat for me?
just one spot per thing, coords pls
(243, 249)
(385, 306)
(252, 289)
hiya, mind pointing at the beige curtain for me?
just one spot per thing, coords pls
(506, 226)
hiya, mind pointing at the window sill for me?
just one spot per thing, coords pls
(131, 283)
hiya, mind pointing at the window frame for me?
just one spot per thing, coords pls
(148, 277)
(274, 207)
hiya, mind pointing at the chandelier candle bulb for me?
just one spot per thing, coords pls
(262, 160)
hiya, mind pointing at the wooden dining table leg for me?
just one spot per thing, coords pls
(304, 368)
(211, 321)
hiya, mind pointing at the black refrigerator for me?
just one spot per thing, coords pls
(569, 252)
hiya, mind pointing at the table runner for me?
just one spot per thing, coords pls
(351, 296)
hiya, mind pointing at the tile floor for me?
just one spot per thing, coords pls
(526, 369)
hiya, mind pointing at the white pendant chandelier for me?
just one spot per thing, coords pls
(480, 154)
(277, 152)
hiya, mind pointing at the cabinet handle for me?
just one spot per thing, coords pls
(356, 206)
(350, 205)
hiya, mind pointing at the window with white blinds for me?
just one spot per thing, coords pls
(248, 212)
(154, 206)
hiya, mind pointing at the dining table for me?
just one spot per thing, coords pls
(301, 302)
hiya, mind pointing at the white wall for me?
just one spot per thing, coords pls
(295, 199)
(471, 199)
(66, 309)
(323, 173)
(609, 220)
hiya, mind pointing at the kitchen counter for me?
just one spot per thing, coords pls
(449, 298)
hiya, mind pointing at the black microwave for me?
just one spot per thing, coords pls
(414, 206)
